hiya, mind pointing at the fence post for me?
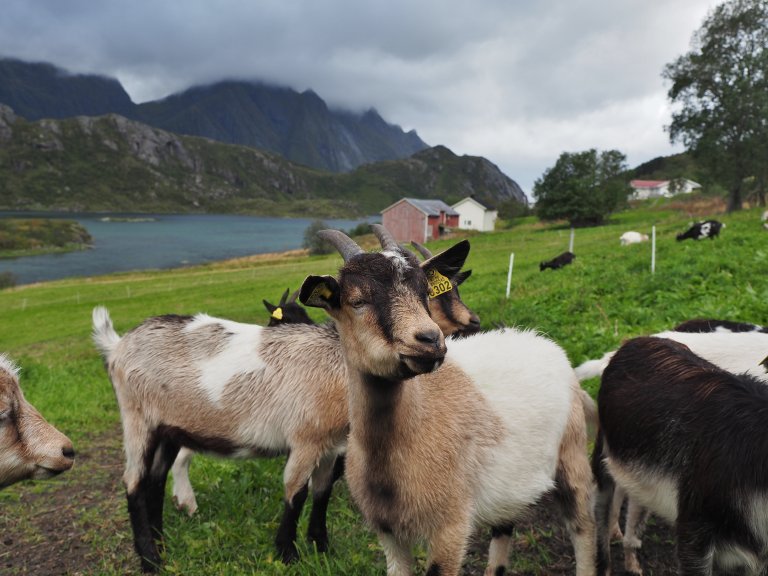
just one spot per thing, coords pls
(570, 244)
(509, 274)
(653, 249)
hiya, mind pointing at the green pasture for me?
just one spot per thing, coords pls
(589, 307)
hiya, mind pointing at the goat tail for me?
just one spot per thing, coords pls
(593, 368)
(104, 335)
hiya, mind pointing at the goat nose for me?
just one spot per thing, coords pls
(68, 452)
(431, 337)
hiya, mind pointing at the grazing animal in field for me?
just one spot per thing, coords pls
(287, 311)
(706, 229)
(30, 448)
(236, 390)
(632, 237)
(557, 262)
(441, 443)
(689, 441)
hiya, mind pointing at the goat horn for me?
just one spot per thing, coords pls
(293, 297)
(343, 243)
(283, 297)
(386, 239)
(422, 249)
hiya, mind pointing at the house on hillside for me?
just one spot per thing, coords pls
(411, 219)
(644, 189)
(475, 216)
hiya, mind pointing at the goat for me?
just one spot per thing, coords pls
(287, 311)
(706, 229)
(436, 447)
(236, 390)
(30, 448)
(558, 261)
(445, 306)
(632, 237)
(672, 434)
(737, 352)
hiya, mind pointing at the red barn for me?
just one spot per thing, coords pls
(411, 219)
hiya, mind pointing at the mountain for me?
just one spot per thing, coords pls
(298, 126)
(111, 163)
(41, 90)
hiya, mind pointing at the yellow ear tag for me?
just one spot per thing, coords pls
(438, 284)
(321, 291)
(277, 313)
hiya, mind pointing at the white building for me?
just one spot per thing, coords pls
(474, 216)
(644, 189)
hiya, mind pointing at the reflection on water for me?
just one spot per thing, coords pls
(123, 242)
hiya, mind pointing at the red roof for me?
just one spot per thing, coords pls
(648, 183)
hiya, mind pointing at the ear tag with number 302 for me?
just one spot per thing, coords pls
(438, 284)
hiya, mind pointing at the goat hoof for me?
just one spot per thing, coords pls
(288, 554)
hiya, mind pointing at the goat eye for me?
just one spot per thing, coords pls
(4, 416)
(357, 303)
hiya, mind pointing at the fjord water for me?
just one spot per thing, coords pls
(123, 242)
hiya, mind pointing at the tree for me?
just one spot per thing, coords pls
(313, 242)
(582, 187)
(721, 86)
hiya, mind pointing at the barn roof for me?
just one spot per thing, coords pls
(428, 207)
(648, 183)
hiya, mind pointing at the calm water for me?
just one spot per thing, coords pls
(167, 241)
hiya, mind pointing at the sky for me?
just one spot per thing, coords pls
(516, 81)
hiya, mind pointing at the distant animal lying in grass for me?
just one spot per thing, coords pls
(709, 325)
(706, 229)
(632, 237)
(558, 262)
(30, 448)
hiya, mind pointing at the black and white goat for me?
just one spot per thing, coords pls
(734, 351)
(711, 325)
(30, 447)
(706, 229)
(558, 261)
(236, 390)
(689, 441)
(439, 444)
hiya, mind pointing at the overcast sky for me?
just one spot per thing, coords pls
(516, 81)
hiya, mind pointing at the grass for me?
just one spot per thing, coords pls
(608, 294)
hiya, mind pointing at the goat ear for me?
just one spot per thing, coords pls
(270, 307)
(320, 292)
(461, 276)
(450, 261)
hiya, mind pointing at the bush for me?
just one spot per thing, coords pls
(360, 230)
(7, 280)
(313, 242)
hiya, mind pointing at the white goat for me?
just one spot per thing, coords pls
(30, 448)
(433, 452)
(632, 237)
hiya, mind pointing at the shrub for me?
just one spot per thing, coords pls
(313, 242)
(7, 280)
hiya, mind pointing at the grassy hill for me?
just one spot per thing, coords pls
(111, 163)
(608, 294)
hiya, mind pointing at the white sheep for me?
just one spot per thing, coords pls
(632, 237)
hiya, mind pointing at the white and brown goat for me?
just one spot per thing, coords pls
(30, 448)
(236, 390)
(445, 306)
(689, 441)
(437, 448)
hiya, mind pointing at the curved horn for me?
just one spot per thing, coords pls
(284, 296)
(386, 239)
(422, 249)
(293, 297)
(343, 243)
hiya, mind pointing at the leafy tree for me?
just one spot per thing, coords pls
(313, 242)
(581, 187)
(721, 86)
